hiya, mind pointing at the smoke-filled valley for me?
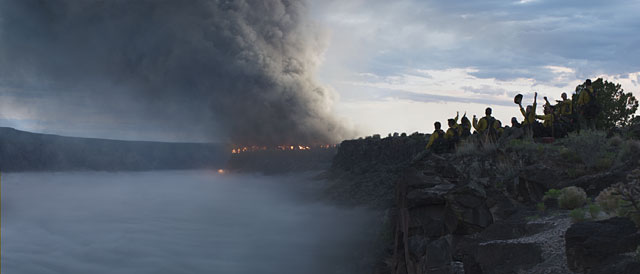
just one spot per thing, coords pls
(176, 222)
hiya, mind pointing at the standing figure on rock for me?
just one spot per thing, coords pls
(549, 126)
(587, 106)
(486, 126)
(565, 106)
(514, 123)
(465, 125)
(453, 133)
(565, 113)
(437, 142)
(529, 122)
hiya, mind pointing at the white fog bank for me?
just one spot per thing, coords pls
(175, 222)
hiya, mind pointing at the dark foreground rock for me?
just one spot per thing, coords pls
(591, 247)
(508, 257)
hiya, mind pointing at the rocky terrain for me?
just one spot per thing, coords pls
(489, 208)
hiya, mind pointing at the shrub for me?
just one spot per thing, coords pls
(622, 199)
(575, 172)
(590, 146)
(604, 163)
(609, 200)
(572, 197)
(628, 151)
(465, 148)
(577, 215)
(541, 207)
(594, 210)
(552, 194)
(616, 141)
(507, 168)
(569, 156)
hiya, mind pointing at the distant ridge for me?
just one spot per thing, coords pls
(27, 151)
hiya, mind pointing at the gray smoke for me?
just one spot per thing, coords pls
(242, 70)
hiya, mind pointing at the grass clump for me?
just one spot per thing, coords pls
(541, 207)
(577, 215)
(594, 210)
(552, 194)
(572, 197)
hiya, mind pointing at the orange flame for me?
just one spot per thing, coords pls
(238, 150)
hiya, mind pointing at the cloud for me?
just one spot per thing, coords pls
(239, 71)
(501, 39)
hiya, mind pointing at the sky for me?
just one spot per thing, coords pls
(400, 65)
(348, 68)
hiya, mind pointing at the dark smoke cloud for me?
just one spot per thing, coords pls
(244, 68)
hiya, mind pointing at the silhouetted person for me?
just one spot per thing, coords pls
(465, 125)
(587, 106)
(437, 142)
(514, 123)
(487, 125)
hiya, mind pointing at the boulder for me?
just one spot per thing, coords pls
(465, 251)
(506, 230)
(527, 190)
(438, 257)
(419, 179)
(594, 184)
(468, 203)
(621, 264)
(588, 244)
(508, 257)
(429, 196)
(432, 221)
(500, 205)
(418, 245)
(545, 176)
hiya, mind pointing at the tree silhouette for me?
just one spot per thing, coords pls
(617, 108)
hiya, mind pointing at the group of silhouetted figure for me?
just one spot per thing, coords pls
(556, 122)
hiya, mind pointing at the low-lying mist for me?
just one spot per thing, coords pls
(176, 222)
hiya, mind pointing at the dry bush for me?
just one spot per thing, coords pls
(609, 200)
(572, 197)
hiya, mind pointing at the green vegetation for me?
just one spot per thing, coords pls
(609, 201)
(628, 150)
(622, 199)
(552, 194)
(588, 147)
(594, 210)
(616, 107)
(577, 215)
(572, 197)
(541, 207)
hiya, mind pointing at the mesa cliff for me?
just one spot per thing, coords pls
(518, 206)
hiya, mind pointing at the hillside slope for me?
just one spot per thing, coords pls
(26, 151)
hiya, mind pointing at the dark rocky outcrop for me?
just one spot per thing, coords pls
(364, 171)
(590, 244)
(481, 208)
(508, 257)
(468, 202)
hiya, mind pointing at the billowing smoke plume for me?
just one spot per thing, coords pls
(241, 67)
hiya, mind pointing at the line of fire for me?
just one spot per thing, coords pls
(238, 149)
